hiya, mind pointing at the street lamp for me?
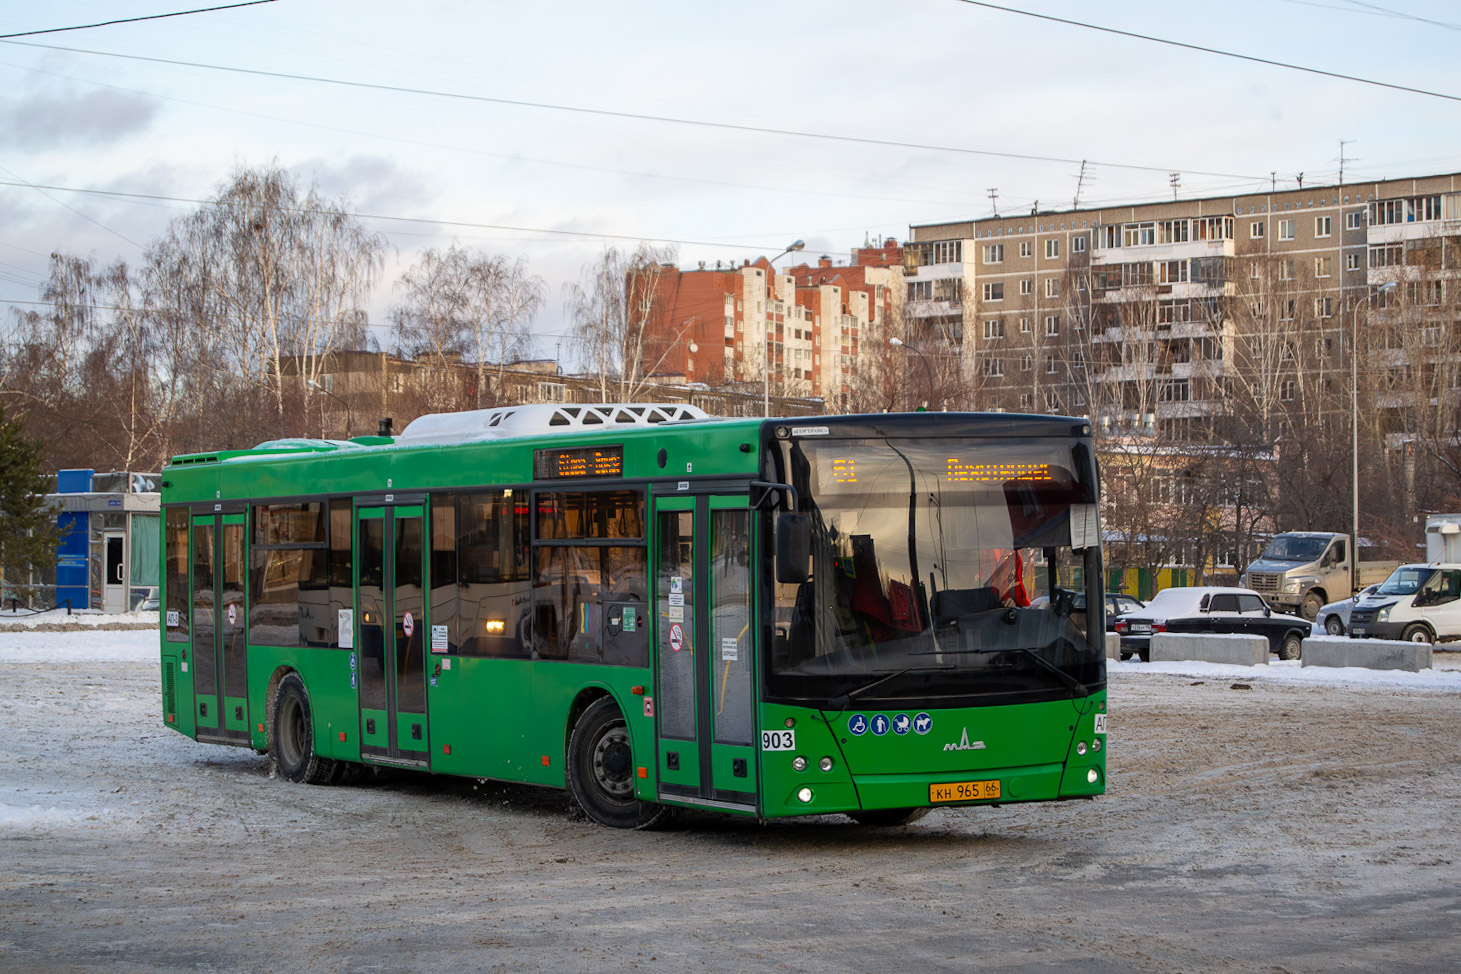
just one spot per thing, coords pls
(770, 347)
(1354, 432)
(897, 342)
(349, 416)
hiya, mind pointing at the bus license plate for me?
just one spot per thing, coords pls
(963, 791)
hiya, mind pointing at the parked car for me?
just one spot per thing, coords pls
(1210, 608)
(1117, 603)
(1418, 603)
(1333, 618)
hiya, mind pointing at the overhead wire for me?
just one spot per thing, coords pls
(133, 20)
(636, 116)
(1209, 50)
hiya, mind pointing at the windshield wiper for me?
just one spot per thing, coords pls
(842, 701)
(1075, 686)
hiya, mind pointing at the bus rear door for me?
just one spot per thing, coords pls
(392, 628)
(220, 662)
(705, 689)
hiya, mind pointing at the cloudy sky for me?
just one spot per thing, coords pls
(552, 128)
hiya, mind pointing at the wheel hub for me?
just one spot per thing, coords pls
(612, 763)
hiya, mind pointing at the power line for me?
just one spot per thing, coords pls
(133, 20)
(637, 116)
(401, 219)
(1211, 50)
(42, 191)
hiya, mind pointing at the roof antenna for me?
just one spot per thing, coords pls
(384, 427)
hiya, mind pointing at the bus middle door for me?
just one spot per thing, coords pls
(391, 633)
(705, 691)
(220, 657)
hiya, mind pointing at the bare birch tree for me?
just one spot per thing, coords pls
(612, 308)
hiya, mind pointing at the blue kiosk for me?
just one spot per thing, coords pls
(109, 556)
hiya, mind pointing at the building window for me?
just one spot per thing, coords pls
(1052, 248)
(994, 367)
(1324, 307)
(994, 253)
(1050, 365)
(1078, 245)
(1286, 269)
(1351, 262)
(1354, 220)
(920, 290)
(1285, 229)
(1176, 390)
(1322, 266)
(1052, 325)
(1287, 389)
(1052, 287)
(1255, 230)
(1027, 249)
(994, 291)
(1027, 286)
(1286, 310)
(1027, 363)
(1173, 231)
(1024, 326)
(1323, 226)
(1172, 272)
(1139, 234)
(994, 328)
(552, 392)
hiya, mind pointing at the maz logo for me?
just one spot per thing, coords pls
(964, 744)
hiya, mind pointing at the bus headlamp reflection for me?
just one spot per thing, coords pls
(495, 627)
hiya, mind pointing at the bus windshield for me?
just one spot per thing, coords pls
(940, 569)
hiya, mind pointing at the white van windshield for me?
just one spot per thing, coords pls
(1406, 580)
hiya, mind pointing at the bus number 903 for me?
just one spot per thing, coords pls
(784, 740)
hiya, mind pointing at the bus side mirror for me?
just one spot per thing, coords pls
(793, 548)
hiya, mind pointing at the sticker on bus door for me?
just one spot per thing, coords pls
(778, 740)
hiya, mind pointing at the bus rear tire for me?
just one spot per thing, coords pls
(888, 817)
(293, 744)
(601, 770)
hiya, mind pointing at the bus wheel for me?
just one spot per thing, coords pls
(1293, 645)
(889, 816)
(294, 745)
(601, 770)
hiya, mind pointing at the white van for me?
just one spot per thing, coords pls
(1419, 603)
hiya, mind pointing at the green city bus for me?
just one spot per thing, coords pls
(870, 615)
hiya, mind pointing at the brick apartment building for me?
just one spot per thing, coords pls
(809, 331)
(1143, 316)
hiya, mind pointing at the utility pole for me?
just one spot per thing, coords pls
(1342, 144)
(994, 199)
(1176, 180)
(1080, 181)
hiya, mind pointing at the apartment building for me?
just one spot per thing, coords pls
(1150, 317)
(806, 331)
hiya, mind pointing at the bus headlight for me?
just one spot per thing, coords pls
(805, 795)
(825, 764)
(799, 763)
(1096, 744)
(1080, 748)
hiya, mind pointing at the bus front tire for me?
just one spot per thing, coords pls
(601, 770)
(293, 744)
(888, 817)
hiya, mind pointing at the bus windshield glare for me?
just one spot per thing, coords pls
(940, 569)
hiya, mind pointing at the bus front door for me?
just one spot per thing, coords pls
(704, 658)
(220, 662)
(390, 634)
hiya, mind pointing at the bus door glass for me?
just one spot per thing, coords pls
(220, 661)
(392, 628)
(705, 694)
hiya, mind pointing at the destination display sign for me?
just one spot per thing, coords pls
(576, 462)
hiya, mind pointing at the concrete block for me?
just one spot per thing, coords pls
(1372, 654)
(1113, 645)
(1233, 648)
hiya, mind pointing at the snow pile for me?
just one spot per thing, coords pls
(107, 646)
(1446, 676)
(83, 618)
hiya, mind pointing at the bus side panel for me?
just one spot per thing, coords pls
(177, 690)
(557, 685)
(333, 702)
(481, 710)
